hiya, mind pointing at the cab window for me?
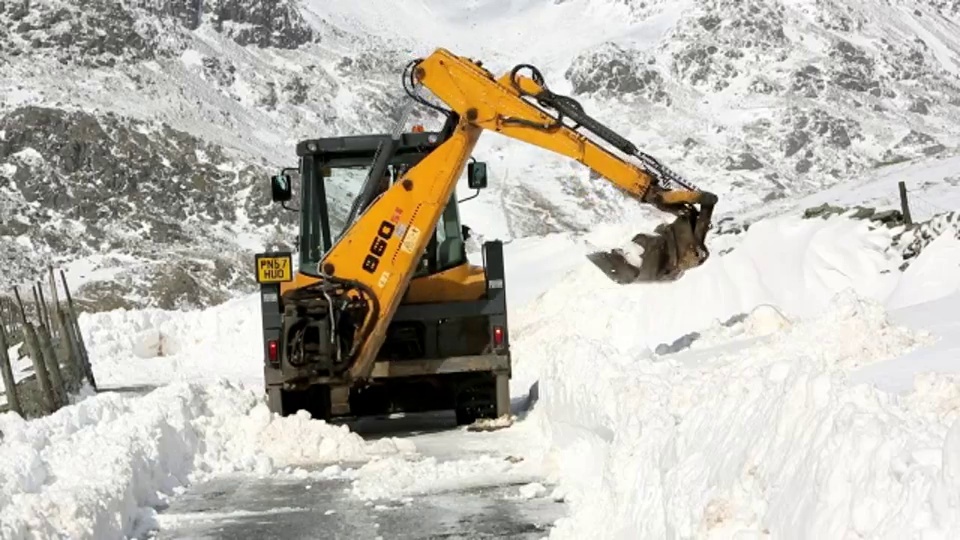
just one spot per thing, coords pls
(446, 248)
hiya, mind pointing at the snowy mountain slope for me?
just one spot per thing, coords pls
(179, 97)
(84, 185)
(753, 100)
(787, 97)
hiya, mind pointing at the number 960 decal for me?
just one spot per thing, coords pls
(378, 246)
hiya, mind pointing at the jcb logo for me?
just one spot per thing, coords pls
(378, 246)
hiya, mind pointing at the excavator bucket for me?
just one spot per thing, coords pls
(662, 256)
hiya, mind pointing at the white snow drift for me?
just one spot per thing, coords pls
(95, 469)
(152, 347)
(754, 428)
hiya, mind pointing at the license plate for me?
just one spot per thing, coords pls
(274, 268)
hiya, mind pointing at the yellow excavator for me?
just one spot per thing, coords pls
(383, 312)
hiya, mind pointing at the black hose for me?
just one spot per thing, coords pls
(409, 81)
(566, 104)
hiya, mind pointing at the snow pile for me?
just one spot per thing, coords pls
(795, 264)
(95, 469)
(764, 434)
(757, 429)
(933, 274)
(395, 477)
(153, 346)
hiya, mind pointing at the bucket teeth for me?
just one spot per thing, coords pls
(615, 266)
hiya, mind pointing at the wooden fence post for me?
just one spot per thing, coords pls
(73, 361)
(75, 326)
(905, 204)
(42, 314)
(55, 329)
(9, 382)
(48, 401)
(53, 365)
(54, 344)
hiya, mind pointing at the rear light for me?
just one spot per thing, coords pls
(498, 335)
(417, 128)
(273, 351)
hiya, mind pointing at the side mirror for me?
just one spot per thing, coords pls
(477, 175)
(280, 187)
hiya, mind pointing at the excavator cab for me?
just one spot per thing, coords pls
(447, 345)
(321, 224)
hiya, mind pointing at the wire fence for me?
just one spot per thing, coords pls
(917, 208)
(43, 359)
(925, 206)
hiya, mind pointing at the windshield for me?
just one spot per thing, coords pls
(343, 184)
(327, 200)
(327, 195)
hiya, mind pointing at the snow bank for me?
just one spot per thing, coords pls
(933, 274)
(756, 433)
(753, 426)
(95, 469)
(153, 347)
(792, 263)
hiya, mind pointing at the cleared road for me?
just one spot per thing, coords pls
(247, 507)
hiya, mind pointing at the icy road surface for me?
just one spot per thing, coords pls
(244, 506)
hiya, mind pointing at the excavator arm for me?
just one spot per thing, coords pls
(374, 260)
(504, 105)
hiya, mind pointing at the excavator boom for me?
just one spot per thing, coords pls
(375, 258)
(503, 105)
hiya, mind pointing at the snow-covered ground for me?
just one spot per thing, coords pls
(800, 385)
(760, 425)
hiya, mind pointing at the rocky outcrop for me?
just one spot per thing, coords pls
(887, 218)
(80, 185)
(916, 238)
(87, 32)
(262, 23)
(614, 71)
(834, 86)
(97, 33)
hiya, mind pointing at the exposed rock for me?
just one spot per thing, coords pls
(914, 239)
(264, 24)
(101, 184)
(612, 70)
(914, 144)
(222, 72)
(888, 218)
(91, 33)
(295, 91)
(743, 161)
(808, 81)
(920, 106)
